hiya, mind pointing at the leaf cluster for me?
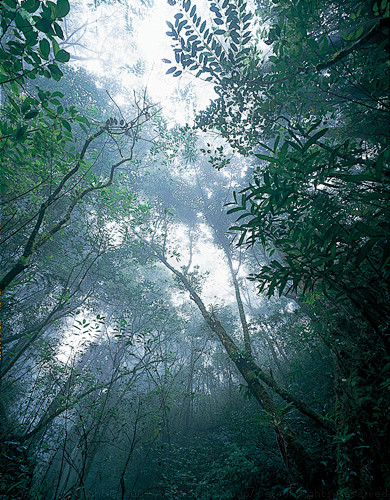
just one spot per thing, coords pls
(31, 33)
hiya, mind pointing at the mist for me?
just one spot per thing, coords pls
(195, 249)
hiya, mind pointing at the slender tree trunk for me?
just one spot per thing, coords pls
(289, 446)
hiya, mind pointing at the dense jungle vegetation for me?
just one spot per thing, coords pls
(195, 310)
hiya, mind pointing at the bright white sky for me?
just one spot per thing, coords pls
(112, 49)
(154, 45)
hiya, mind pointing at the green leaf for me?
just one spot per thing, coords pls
(62, 56)
(364, 251)
(241, 240)
(11, 3)
(365, 229)
(376, 196)
(359, 32)
(235, 209)
(15, 88)
(66, 125)
(31, 114)
(314, 139)
(45, 48)
(56, 47)
(31, 5)
(267, 158)
(295, 146)
(25, 106)
(55, 71)
(22, 23)
(21, 131)
(62, 8)
(83, 119)
(58, 30)
(314, 126)
(43, 25)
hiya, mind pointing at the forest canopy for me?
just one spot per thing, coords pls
(195, 279)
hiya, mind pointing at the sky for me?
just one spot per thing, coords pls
(115, 39)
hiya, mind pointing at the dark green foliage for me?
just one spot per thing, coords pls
(30, 34)
(314, 112)
(127, 371)
(325, 208)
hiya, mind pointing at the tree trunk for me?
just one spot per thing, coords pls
(289, 446)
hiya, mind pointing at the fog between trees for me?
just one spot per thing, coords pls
(195, 251)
